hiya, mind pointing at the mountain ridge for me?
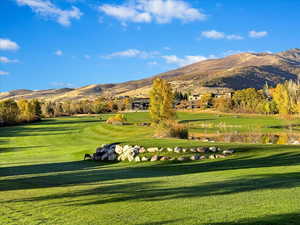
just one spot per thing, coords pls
(229, 73)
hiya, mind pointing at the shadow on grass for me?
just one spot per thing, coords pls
(21, 131)
(195, 120)
(84, 172)
(18, 149)
(281, 219)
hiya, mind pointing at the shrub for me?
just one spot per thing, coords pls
(118, 119)
(172, 129)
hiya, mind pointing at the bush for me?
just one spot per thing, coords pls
(172, 129)
(118, 119)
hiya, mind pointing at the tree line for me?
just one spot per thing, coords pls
(24, 111)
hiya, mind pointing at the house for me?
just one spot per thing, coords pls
(140, 104)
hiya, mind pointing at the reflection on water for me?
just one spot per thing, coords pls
(252, 137)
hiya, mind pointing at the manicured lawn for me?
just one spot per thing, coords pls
(43, 179)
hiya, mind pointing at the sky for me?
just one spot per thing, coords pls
(47, 44)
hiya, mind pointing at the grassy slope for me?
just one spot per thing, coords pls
(43, 179)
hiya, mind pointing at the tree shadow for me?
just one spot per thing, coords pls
(21, 131)
(195, 120)
(280, 219)
(84, 172)
(18, 149)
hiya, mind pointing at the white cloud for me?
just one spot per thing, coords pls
(6, 44)
(3, 72)
(213, 34)
(153, 63)
(257, 34)
(4, 59)
(190, 59)
(146, 11)
(48, 9)
(234, 37)
(58, 52)
(131, 53)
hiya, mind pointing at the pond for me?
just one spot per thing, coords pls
(263, 135)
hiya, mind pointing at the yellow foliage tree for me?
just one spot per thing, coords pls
(161, 102)
(282, 98)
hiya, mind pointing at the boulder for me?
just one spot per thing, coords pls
(170, 149)
(177, 149)
(192, 150)
(164, 158)
(142, 150)
(137, 159)
(144, 159)
(154, 158)
(195, 157)
(118, 149)
(112, 157)
(184, 150)
(212, 149)
(201, 150)
(228, 152)
(218, 156)
(152, 149)
(202, 157)
(182, 159)
(212, 156)
(161, 149)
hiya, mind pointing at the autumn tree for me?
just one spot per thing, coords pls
(283, 99)
(161, 101)
(9, 112)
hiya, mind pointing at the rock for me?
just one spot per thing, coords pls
(202, 157)
(212, 156)
(212, 149)
(137, 159)
(154, 158)
(112, 157)
(195, 157)
(144, 159)
(184, 150)
(152, 149)
(164, 158)
(201, 150)
(130, 158)
(161, 149)
(119, 149)
(218, 156)
(142, 150)
(170, 149)
(172, 159)
(177, 149)
(228, 152)
(182, 159)
(192, 150)
(104, 157)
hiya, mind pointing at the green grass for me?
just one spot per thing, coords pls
(43, 179)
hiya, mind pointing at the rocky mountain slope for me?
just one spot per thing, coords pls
(232, 72)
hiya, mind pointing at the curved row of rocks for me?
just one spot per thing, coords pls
(113, 152)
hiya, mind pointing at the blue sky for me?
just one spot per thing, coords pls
(70, 43)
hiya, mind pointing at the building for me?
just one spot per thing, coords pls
(140, 104)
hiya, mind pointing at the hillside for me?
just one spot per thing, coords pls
(232, 72)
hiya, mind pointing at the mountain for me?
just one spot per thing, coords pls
(214, 75)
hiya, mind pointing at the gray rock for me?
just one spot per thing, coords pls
(161, 149)
(218, 156)
(112, 157)
(142, 150)
(177, 149)
(184, 150)
(119, 149)
(195, 157)
(201, 150)
(212, 149)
